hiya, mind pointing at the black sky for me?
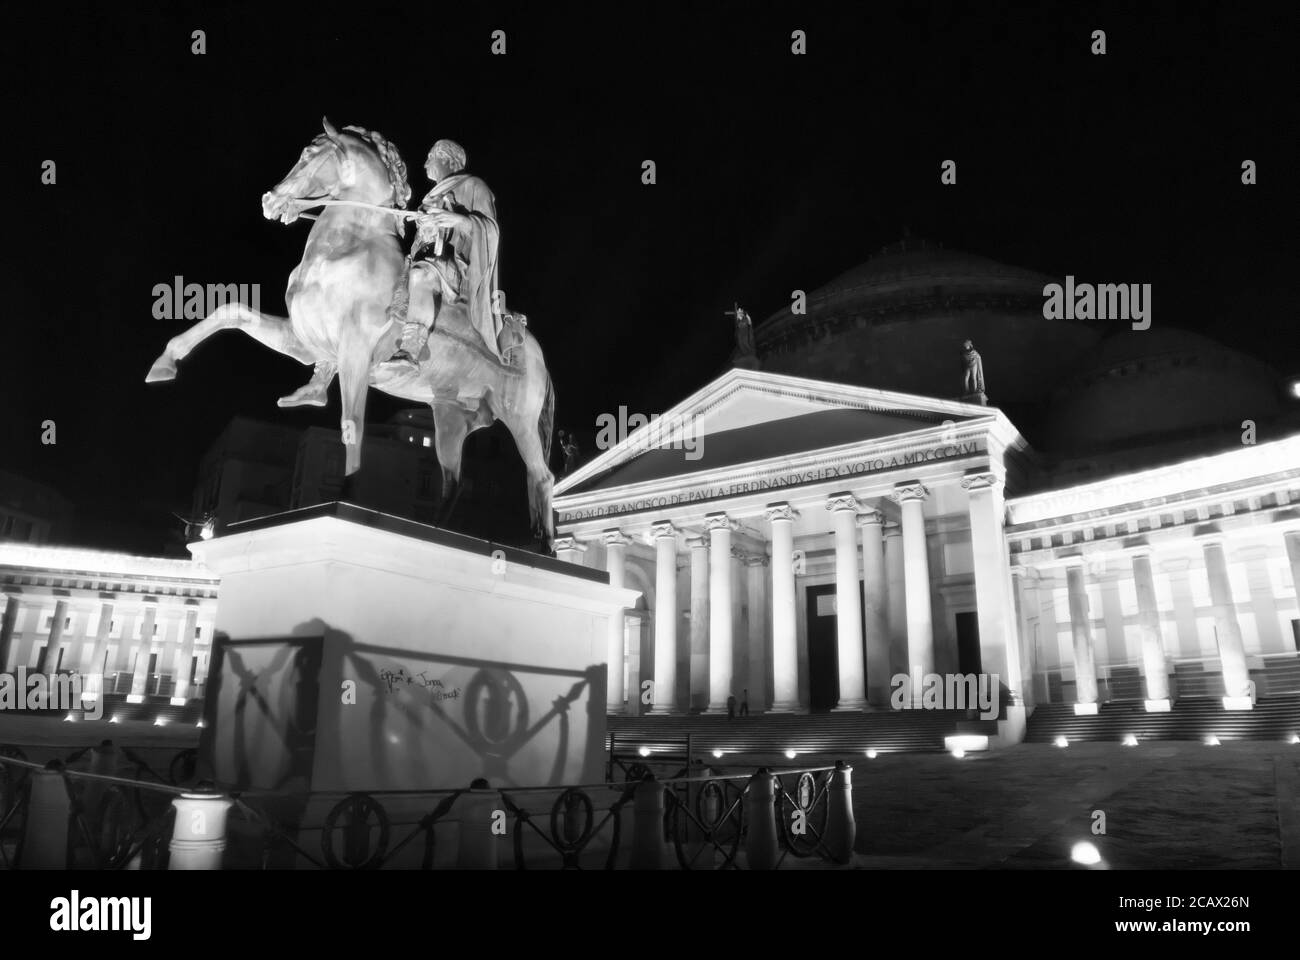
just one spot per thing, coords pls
(775, 172)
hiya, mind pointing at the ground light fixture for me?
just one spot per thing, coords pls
(1062, 742)
(791, 754)
(871, 754)
(1085, 853)
(644, 751)
(1130, 740)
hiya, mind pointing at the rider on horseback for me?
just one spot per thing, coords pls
(453, 258)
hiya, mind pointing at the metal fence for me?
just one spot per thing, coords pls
(55, 816)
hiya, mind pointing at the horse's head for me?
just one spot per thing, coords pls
(354, 164)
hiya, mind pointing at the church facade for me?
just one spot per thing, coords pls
(813, 542)
(1114, 516)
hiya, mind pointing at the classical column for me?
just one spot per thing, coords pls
(1232, 652)
(1024, 635)
(999, 654)
(616, 563)
(140, 678)
(171, 646)
(699, 679)
(94, 683)
(848, 602)
(756, 580)
(570, 550)
(1085, 667)
(181, 692)
(54, 645)
(916, 572)
(1292, 540)
(877, 628)
(785, 652)
(664, 536)
(7, 631)
(721, 646)
(895, 601)
(1155, 669)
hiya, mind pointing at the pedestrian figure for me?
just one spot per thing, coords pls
(731, 707)
(744, 704)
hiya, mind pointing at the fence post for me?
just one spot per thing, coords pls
(478, 846)
(761, 848)
(648, 825)
(841, 830)
(199, 834)
(45, 838)
(103, 761)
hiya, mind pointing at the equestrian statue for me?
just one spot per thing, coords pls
(429, 327)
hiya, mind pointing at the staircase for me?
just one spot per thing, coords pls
(846, 734)
(1274, 718)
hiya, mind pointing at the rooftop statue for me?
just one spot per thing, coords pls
(973, 373)
(744, 331)
(342, 316)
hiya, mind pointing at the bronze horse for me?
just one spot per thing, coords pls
(338, 298)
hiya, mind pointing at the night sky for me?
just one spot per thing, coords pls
(775, 172)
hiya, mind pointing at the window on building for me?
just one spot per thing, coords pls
(428, 441)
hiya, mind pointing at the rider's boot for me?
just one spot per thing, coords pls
(414, 334)
(314, 393)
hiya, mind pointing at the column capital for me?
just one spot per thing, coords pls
(756, 559)
(662, 530)
(909, 490)
(1211, 538)
(698, 541)
(569, 543)
(1138, 549)
(869, 516)
(781, 511)
(614, 537)
(892, 529)
(718, 521)
(976, 480)
(842, 501)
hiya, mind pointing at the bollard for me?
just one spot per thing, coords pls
(478, 845)
(199, 836)
(761, 848)
(841, 829)
(45, 840)
(648, 825)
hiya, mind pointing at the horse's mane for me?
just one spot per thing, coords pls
(392, 161)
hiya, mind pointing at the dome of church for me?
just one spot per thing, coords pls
(1157, 385)
(897, 322)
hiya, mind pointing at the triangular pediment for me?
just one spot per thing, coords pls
(754, 416)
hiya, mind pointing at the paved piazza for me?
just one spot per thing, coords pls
(1167, 806)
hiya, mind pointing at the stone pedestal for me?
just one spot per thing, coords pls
(358, 652)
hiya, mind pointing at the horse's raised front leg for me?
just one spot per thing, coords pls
(274, 332)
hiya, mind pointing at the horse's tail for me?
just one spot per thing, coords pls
(546, 420)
